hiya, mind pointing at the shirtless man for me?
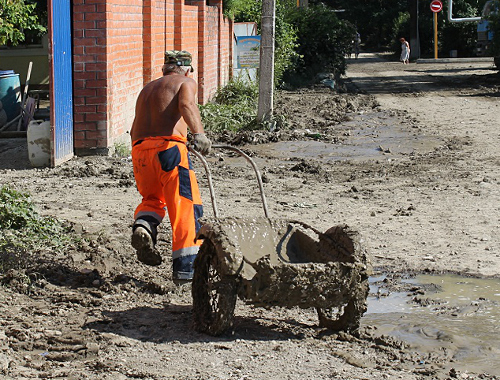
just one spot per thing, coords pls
(163, 173)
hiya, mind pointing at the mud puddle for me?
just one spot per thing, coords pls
(452, 316)
(365, 136)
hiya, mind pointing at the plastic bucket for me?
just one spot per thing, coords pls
(38, 135)
(10, 94)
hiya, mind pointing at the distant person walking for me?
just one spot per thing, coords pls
(405, 51)
(357, 41)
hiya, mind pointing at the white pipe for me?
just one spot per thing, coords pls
(467, 19)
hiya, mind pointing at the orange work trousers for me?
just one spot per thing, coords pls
(165, 179)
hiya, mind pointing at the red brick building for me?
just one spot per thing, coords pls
(118, 47)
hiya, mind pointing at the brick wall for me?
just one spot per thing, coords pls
(211, 45)
(125, 61)
(119, 47)
(188, 39)
(89, 73)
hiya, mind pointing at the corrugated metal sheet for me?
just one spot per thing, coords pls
(62, 81)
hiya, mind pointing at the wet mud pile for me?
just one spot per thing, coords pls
(308, 114)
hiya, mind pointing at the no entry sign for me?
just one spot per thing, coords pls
(436, 6)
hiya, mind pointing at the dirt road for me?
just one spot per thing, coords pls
(408, 157)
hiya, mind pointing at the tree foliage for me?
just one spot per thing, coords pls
(323, 41)
(374, 19)
(382, 22)
(16, 18)
(307, 40)
(460, 36)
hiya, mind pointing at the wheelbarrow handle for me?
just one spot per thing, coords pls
(209, 176)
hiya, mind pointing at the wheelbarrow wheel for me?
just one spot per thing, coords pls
(348, 316)
(214, 294)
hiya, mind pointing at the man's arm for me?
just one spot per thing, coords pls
(188, 107)
(191, 114)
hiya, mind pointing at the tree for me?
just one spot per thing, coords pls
(460, 36)
(374, 19)
(16, 18)
(382, 22)
(323, 41)
(308, 40)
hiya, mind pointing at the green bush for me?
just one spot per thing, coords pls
(122, 150)
(23, 229)
(16, 210)
(459, 36)
(323, 41)
(237, 91)
(234, 107)
(286, 49)
(401, 26)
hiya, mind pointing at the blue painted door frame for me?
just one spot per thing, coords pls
(61, 80)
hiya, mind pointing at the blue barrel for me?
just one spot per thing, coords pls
(10, 94)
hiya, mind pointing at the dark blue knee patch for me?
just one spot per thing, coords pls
(189, 161)
(185, 183)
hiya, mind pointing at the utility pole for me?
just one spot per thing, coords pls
(414, 35)
(266, 71)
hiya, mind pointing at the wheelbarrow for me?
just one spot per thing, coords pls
(270, 262)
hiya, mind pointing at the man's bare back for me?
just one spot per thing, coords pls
(167, 106)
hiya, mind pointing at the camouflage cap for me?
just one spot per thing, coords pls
(179, 57)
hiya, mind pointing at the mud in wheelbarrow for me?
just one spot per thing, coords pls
(270, 262)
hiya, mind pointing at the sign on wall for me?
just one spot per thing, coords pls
(248, 52)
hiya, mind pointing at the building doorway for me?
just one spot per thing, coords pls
(38, 82)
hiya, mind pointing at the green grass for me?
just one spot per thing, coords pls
(234, 108)
(122, 150)
(24, 231)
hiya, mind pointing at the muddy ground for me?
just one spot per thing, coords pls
(407, 155)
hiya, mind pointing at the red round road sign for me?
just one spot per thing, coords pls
(436, 6)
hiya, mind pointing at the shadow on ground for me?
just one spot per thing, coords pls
(174, 323)
(14, 154)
